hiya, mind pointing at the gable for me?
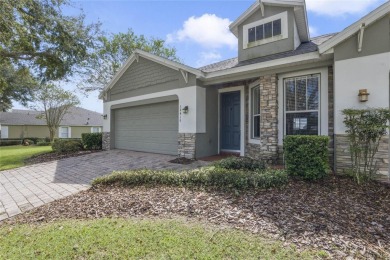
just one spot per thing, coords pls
(376, 40)
(145, 77)
(285, 41)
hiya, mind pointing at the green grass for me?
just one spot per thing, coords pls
(138, 239)
(14, 156)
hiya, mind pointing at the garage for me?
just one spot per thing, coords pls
(149, 128)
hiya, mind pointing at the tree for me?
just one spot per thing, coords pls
(35, 34)
(15, 84)
(112, 52)
(54, 102)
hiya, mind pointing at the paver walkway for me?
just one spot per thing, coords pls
(31, 186)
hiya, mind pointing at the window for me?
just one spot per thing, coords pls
(255, 112)
(265, 31)
(302, 105)
(95, 129)
(64, 132)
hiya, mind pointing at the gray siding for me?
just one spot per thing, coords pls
(146, 77)
(269, 48)
(149, 128)
(376, 40)
(207, 143)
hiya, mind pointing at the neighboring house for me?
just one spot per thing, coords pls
(283, 82)
(29, 123)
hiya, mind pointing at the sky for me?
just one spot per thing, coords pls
(198, 29)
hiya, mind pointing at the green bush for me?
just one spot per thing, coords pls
(43, 143)
(211, 177)
(241, 163)
(30, 140)
(67, 145)
(10, 141)
(92, 141)
(306, 156)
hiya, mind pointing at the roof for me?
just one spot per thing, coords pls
(299, 11)
(372, 17)
(163, 61)
(307, 47)
(76, 116)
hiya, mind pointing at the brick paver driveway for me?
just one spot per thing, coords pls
(31, 186)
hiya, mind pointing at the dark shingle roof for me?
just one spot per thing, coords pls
(76, 116)
(306, 47)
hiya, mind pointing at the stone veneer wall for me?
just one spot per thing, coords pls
(106, 145)
(343, 156)
(186, 145)
(268, 148)
(331, 116)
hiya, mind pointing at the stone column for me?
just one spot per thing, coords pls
(186, 147)
(106, 142)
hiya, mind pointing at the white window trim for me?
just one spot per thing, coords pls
(250, 139)
(323, 127)
(69, 131)
(284, 20)
(99, 129)
(242, 115)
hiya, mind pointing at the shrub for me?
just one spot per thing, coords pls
(66, 145)
(306, 156)
(211, 177)
(42, 143)
(92, 141)
(241, 163)
(365, 129)
(10, 141)
(30, 140)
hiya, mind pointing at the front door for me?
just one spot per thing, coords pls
(230, 121)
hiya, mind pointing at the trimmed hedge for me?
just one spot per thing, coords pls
(10, 141)
(241, 163)
(67, 145)
(212, 177)
(306, 156)
(43, 143)
(92, 141)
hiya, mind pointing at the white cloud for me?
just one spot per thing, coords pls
(340, 7)
(313, 31)
(208, 58)
(207, 30)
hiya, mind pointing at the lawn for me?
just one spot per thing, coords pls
(14, 156)
(138, 239)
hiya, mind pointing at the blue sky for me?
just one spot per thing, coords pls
(198, 29)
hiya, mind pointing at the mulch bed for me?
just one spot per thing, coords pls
(182, 160)
(47, 157)
(335, 215)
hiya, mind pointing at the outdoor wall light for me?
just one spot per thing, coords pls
(185, 110)
(363, 95)
(105, 116)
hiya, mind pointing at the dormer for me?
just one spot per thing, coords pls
(271, 27)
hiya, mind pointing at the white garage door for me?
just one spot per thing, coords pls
(148, 128)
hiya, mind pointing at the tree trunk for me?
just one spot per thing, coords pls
(52, 132)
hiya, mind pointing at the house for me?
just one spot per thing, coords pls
(29, 123)
(283, 82)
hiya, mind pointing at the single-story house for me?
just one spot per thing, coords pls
(283, 82)
(29, 123)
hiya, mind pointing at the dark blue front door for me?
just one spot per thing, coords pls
(230, 121)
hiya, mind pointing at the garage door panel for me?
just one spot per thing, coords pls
(150, 128)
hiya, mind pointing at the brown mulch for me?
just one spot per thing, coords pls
(182, 160)
(47, 157)
(335, 215)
